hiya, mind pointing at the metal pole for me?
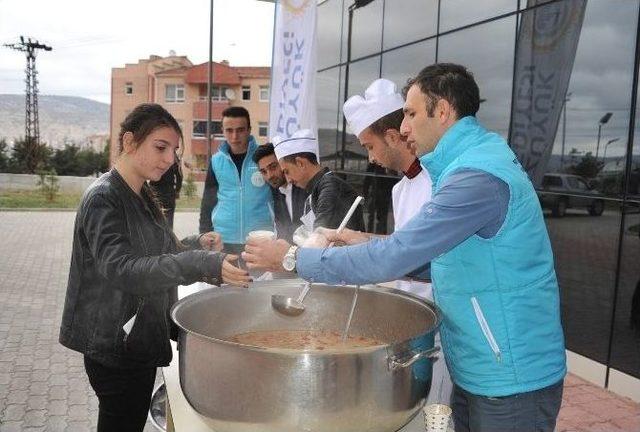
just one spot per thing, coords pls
(564, 131)
(209, 82)
(346, 83)
(598, 144)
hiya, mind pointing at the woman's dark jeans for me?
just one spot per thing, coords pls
(124, 396)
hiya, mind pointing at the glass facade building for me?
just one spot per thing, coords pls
(590, 192)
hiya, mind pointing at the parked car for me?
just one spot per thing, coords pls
(564, 191)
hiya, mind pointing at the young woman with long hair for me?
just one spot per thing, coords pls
(125, 267)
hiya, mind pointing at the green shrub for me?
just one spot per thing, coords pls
(189, 187)
(48, 184)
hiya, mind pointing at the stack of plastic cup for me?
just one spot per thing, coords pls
(436, 417)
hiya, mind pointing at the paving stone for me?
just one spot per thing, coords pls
(56, 423)
(38, 388)
(77, 412)
(58, 367)
(628, 423)
(57, 408)
(58, 379)
(77, 398)
(35, 418)
(41, 364)
(37, 402)
(20, 383)
(11, 426)
(18, 397)
(57, 392)
(78, 426)
(14, 412)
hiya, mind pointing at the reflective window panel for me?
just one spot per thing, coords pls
(401, 64)
(458, 13)
(625, 349)
(329, 31)
(593, 124)
(490, 59)
(585, 249)
(367, 30)
(327, 93)
(409, 20)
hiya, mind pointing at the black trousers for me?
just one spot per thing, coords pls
(124, 396)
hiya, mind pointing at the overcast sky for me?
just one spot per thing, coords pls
(91, 37)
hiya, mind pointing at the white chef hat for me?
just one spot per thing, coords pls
(380, 99)
(302, 141)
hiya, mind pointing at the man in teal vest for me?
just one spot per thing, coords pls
(236, 199)
(491, 261)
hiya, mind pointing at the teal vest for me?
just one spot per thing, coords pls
(243, 201)
(501, 330)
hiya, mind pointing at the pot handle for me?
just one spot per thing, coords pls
(399, 362)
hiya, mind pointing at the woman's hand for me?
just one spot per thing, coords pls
(234, 275)
(211, 241)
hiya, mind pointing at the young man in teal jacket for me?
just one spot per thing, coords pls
(491, 261)
(236, 199)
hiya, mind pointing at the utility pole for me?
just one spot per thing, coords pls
(31, 122)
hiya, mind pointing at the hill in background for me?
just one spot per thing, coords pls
(63, 119)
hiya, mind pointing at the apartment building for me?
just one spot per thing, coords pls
(181, 87)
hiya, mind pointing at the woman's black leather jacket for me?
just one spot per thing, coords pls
(126, 262)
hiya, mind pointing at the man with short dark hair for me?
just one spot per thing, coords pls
(491, 261)
(236, 198)
(288, 200)
(330, 197)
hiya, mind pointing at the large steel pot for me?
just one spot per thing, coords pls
(242, 388)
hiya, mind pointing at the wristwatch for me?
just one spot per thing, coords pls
(289, 260)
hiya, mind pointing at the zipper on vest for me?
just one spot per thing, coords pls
(484, 325)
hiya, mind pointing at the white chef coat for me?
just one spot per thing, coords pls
(408, 196)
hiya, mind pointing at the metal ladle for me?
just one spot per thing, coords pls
(288, 305)
(294, 307)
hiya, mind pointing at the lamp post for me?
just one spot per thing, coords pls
(567, 98)
(605, 118)
(209, 82)
(611, 141)
(356, 5)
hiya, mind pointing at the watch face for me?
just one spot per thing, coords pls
(288, 263)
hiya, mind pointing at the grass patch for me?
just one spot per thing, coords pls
(188, 203)
(36, 199)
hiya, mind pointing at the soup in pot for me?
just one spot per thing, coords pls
(303, 340)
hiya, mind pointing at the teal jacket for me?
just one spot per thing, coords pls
(499, 296)
(244, 202)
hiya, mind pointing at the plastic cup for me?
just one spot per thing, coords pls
(261, 235)
(436, 417)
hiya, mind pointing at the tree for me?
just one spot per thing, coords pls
(73, 161)
(27, 157)
(66, 162)
(4, 157)
(588, 167)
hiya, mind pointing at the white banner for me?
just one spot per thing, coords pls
(292, 105)
(546, 50)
